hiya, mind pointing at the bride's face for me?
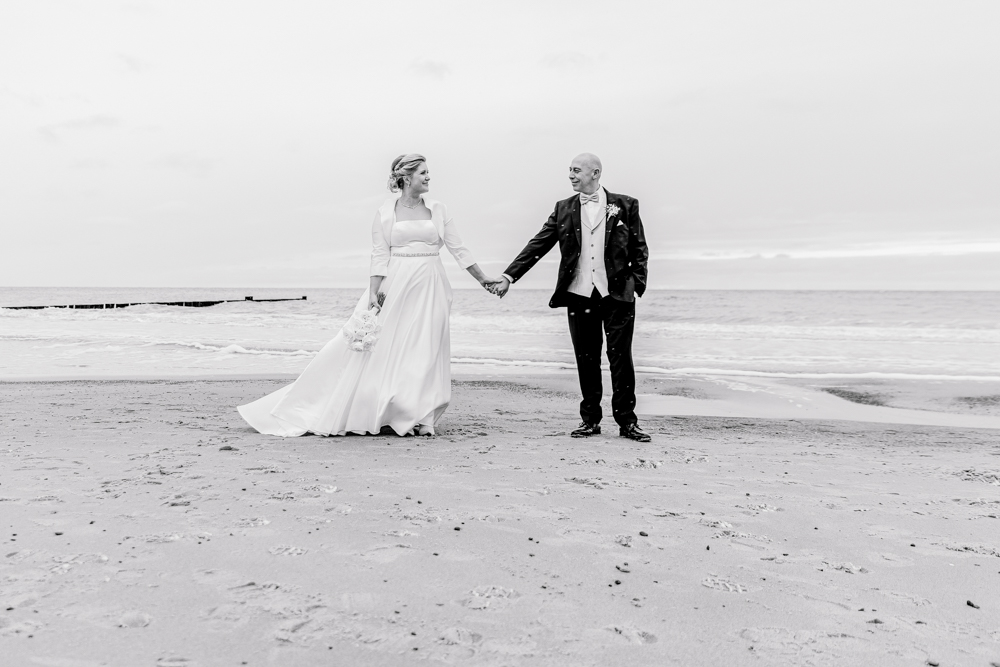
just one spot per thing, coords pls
(420, 180)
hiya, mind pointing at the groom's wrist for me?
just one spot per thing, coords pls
(509, 279)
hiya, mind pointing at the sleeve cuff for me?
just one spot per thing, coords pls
(509, 279)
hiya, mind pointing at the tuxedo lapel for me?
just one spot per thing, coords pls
(575, 219)
(609, 223)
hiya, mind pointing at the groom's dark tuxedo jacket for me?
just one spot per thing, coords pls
(625, 251)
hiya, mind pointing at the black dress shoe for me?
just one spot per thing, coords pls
(632, 432)
(585, 430)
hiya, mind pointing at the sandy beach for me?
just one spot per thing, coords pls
(146, 524)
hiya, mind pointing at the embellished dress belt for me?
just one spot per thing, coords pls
(414, 254)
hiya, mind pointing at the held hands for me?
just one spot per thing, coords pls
(497, 286)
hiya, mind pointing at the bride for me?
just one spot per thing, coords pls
(404, 382)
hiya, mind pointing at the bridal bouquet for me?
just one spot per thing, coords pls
(362, 331)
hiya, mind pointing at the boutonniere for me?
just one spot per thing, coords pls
(612, 211)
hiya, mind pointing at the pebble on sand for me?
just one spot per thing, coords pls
(968, 602)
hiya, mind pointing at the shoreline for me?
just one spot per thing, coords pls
(959, 403)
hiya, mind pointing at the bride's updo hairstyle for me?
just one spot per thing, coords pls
(402, 167)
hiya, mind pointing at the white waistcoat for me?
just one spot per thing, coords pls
(591, 271)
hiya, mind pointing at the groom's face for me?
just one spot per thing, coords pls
(584, 176)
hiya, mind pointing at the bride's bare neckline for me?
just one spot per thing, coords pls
(395, 212)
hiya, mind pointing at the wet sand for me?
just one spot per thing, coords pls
(145, 524)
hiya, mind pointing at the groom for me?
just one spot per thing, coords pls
(602, 270)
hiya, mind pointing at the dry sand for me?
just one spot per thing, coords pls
(145, 524)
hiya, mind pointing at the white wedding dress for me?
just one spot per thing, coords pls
(405, 381)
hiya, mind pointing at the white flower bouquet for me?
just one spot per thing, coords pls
(362, 331)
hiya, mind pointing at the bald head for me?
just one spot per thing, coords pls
(585, 173)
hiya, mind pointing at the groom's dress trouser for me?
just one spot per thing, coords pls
(587, 318)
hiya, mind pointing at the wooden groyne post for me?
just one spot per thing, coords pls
(186, 304)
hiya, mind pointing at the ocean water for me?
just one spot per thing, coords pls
(931, 335)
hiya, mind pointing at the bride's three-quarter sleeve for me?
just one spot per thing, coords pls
(457, 249)
(380, 248)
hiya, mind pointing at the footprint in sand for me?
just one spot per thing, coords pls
(849, 568)
(633, 634)
(642, 464)
(251, 522)
(737, 535)
(286, 550)
(973, 475)
(805, 647)
(679, 456)
(386, 553)
(722, 584)
(595, 482)
(980, 549)
(401, 533)
(488, 597)
(313, 520)
(460, 637)
(225, 617)
(160, 538)
(757, 508)
(175, 662)
(134, 619)
(10, 628)
(325, 488)
(623, 540)
(64, 564)
(293, 630)
(915, 600)
(420, 518)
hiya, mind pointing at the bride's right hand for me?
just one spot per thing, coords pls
(375, 301)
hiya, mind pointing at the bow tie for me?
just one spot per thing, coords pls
(584, 199)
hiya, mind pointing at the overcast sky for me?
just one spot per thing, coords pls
(770, 144)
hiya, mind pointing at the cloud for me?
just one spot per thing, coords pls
(185, 162)
(91, 164)
(30, 100)
(430, 69)
(137, 65)
(568, 61)
(916, 249)
(95, 122)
